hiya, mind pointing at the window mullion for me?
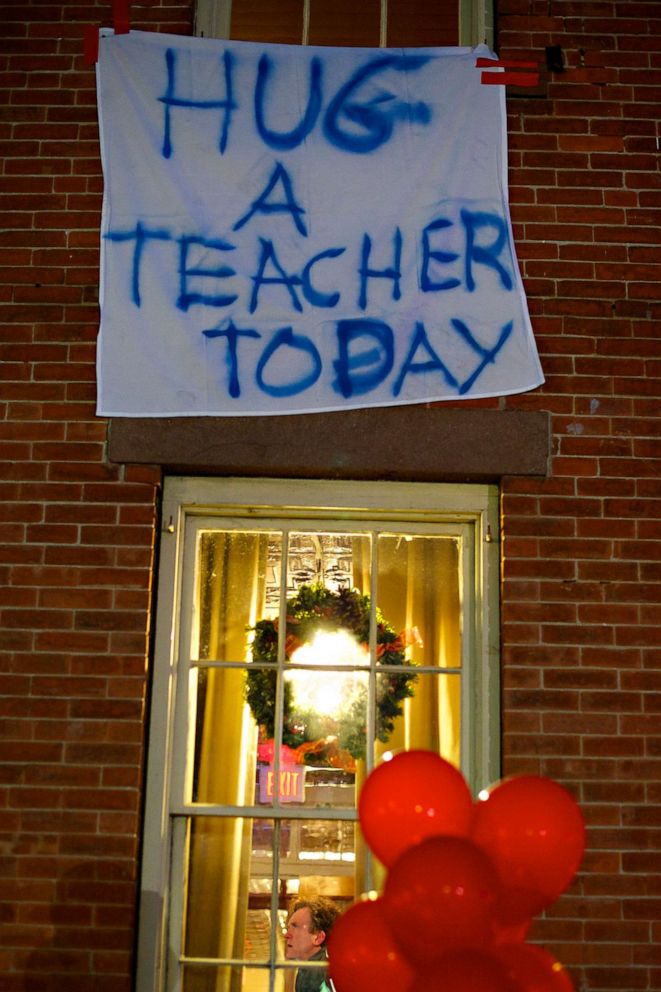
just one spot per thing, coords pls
(279, 682)
(466, 598)
(275, 899)
(178, 895)
(371, 687)
(305, 33)
(186, 652)
(260, 812)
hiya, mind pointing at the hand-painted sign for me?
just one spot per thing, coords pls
(290, 229)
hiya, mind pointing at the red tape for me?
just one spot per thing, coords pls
(91, 44)
(515, 78)
(483, 63)
(120, 16)
(510, 78)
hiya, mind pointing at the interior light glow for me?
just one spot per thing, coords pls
(327, 694)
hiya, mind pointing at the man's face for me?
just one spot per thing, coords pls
(300, 941)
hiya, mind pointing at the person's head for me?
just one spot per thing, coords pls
(308, 925)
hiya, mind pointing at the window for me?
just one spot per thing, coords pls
(303, 629)
(371, 23)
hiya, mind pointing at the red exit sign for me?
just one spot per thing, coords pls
(291, 783)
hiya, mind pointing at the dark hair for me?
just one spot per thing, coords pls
(323, 912)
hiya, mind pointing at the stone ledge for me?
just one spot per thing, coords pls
(409, 443)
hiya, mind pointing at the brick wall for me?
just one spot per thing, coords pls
(77, 534)
(580, 549)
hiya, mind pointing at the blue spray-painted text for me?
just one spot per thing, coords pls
(205, 275)
(353, 122)
(366, 357)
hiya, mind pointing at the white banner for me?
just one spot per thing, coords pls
(290, 229)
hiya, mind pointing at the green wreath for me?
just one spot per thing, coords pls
(314, 608)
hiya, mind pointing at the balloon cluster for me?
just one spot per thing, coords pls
(463, 882)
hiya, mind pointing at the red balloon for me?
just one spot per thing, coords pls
(464, 971)
(534, 832)
(532, 969)
(440, 896)
(363, 953)
(510, 933)
(415, 795)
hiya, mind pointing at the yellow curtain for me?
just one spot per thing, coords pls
(418, 586)
(231, 595)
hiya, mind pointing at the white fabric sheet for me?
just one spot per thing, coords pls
(290, 229)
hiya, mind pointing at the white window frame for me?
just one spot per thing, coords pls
(470, 511)
(476, 20)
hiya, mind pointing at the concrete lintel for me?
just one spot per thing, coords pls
(407, 442)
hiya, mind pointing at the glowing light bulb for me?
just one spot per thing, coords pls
(327, 693)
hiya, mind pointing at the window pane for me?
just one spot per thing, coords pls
(265, 20)
(431, 718)
(320, 857)
(335, 560)
(421, 23)
(345, 23)
(418, 592)
(219, 978)
(232, 577)
(219, 895)
(224, 763)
